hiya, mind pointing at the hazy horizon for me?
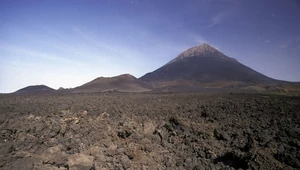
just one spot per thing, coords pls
(68, 43)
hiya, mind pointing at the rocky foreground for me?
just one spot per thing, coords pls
(149, 131)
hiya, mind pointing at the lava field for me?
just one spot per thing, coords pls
(113, 130)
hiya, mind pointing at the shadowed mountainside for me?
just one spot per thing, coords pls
(35, 89)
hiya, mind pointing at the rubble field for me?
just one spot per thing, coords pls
(115, 130)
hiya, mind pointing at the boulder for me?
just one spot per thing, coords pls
(81, 162)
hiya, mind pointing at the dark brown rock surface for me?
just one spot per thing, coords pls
(149, 131)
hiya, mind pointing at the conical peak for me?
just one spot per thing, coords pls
(205, 46)
(201, 50)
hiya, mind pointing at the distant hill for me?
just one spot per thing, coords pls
(124, 83)
(205, 66)
(35, 89)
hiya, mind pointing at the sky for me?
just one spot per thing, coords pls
(66, 43)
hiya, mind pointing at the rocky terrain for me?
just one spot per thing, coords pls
(113, 130)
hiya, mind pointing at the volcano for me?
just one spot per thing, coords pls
(202, 66)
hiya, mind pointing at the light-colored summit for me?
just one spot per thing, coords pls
(203, 50)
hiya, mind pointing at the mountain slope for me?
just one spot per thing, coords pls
(125, 83)
(35, 89)
(204, 65)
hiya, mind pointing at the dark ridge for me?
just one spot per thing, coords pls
(35, 89)
(123, 83)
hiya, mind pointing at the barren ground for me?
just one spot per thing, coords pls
(149, 131)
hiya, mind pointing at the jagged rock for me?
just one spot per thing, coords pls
(55, 156)
(125, 161)
(148, 127)
(81, 162)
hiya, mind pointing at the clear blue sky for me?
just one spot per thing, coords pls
(63, 43)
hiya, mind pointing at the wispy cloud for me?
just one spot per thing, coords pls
(283, 46)
(135, 2)
(79, 47)
(267, 41)
(196, 38)
(112, 49)
(292, 44)
(297, 47)
(25, 52)
(229, 8)
(216, 19)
